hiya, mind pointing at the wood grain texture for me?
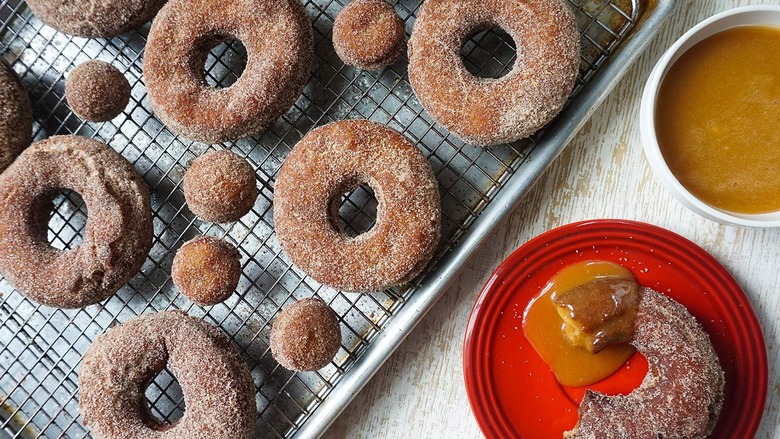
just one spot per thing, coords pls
(603, 173)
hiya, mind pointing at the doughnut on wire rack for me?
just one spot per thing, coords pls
(41, 347)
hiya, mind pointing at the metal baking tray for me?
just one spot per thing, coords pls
(41, 347)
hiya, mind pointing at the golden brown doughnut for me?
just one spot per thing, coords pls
(97, 91)
(306, 335)
(220, 187)
(334, 159)
(15, 117)
(117, 237)
(206, 269)
(368, 34)
(279, 45)
(95, 18)
(682, 393)
(485, 111)
(218, 389)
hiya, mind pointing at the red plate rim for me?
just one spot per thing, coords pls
(748, 350)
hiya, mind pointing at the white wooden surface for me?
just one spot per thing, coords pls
(603, 173)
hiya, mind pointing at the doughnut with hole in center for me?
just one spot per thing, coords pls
(218, 389)
(95, 18)
(339, 157)
(279, 45)
(485, 111)
(16, 118)
(117, 237)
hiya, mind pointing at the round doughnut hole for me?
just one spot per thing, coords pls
(489, 54)
(225, 62)
(357, 210)
(65, 217)
(164, 400)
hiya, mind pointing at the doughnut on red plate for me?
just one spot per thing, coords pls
(513, 393)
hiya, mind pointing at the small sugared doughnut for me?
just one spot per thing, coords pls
(97, 91)
(218, 389)
(485, 111)
(117, 237)
(206, 269)
(95, 18)
(306, 335)
(15, 117)
(682, 393)
(220, 187)
(278, 38)
(328, 162)
(368, 34)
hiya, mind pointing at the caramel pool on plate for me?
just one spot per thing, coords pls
(718, 119)
(573, 365)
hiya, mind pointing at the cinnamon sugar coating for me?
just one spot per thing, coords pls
(206, 269)
(306, 335)
(16, 118)
(485, 111)
(220, 187)
(95, 18)
(279, 44)
(328, 162)
(218, 390)
(682, 393)
(97, 91)
(118, 233)
(368, 34)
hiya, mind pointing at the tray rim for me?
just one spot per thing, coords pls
(560, 133)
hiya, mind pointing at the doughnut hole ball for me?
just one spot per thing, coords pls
(369, 35)
(97, 91)
(206, 270)
(305, 336)
(220, 187)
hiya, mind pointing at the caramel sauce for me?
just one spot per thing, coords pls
(543, 326)
(718, 119)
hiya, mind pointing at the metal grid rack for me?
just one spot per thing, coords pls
(41, 347)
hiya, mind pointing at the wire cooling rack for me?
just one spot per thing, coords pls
(41, 347)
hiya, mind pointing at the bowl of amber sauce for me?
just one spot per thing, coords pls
(710, 117)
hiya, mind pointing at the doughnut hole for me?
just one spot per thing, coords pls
(59, 219)
(220, 187)
(164, 401)
(489, 53)
(305, 336)
(354, 210)
(225, 61)
(207, 270)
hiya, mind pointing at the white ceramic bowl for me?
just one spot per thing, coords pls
(751, 15)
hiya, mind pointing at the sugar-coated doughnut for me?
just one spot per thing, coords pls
(95, 18)
(279, 45)
(305, 336)
(334, 159)
(682, 393)
(117, 237)
(218, 389)
(206, 269)
(97, 91)
(220, 187)
(15, 117)
(368, 34)
(485, 111)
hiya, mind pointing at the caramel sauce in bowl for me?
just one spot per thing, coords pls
(708, 120)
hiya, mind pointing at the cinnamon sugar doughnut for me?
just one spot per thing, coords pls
(279, 45)
(117, 237)
(368, 34)
(16, 118)
(486, 111)
(206, 269)
(218, 389)
(305, 336)
(95, 18)
(220, 187)
(328, 162)
(97, 91)
(682, 393)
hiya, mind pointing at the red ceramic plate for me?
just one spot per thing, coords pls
(513, 393)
